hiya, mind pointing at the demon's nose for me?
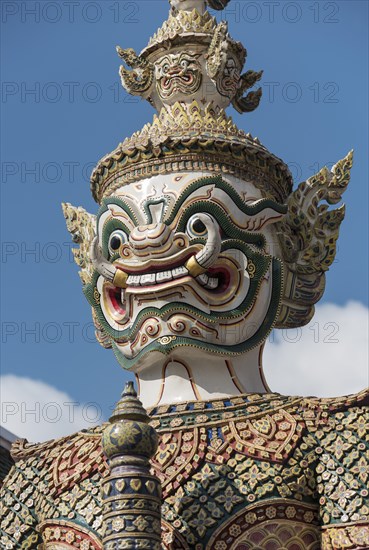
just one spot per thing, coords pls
(155, 239)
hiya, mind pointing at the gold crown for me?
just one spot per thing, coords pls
(184, 137)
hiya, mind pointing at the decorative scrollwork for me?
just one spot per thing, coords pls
(308, 238)
(139, 80)
(251, 101)
(81, 225)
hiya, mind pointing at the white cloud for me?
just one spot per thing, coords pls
(328, 357)
(37, 411)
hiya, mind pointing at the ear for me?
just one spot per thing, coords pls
(308, 238)
(81, 225)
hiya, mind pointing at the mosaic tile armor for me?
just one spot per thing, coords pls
(249, 472)
(200, 247)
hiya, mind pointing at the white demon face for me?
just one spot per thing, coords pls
(184, 260)
(178, 74)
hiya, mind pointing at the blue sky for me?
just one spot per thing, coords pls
(314, 110)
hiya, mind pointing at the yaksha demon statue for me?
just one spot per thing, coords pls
(200, 247)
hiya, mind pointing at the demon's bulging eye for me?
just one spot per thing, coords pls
(116, 240)
(196, 225)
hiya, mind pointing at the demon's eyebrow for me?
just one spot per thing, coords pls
(213, 188)
(121, 205)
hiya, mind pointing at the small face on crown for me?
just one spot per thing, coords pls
(185, 260)
(191, 58)
(177, 75)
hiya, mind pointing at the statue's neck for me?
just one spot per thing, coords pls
(188, 376)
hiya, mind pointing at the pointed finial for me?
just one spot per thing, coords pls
(129, 442)
(129, 407)
(129, 389)
(129, 432)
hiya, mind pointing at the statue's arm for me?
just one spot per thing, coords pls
(18, 497)
(342, 479)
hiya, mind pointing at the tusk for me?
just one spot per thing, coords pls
(200, 263)
(120, 279)
(105, 268)
(194, 268)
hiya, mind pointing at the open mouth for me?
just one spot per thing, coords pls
(175, 76)
(215, 280)
(158, 274)
(164, 271)
(179, 277)
(148, 279)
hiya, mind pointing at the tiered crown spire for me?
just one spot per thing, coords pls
(190, 72)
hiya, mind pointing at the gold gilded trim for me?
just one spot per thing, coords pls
(120, 279)
(194, 267)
